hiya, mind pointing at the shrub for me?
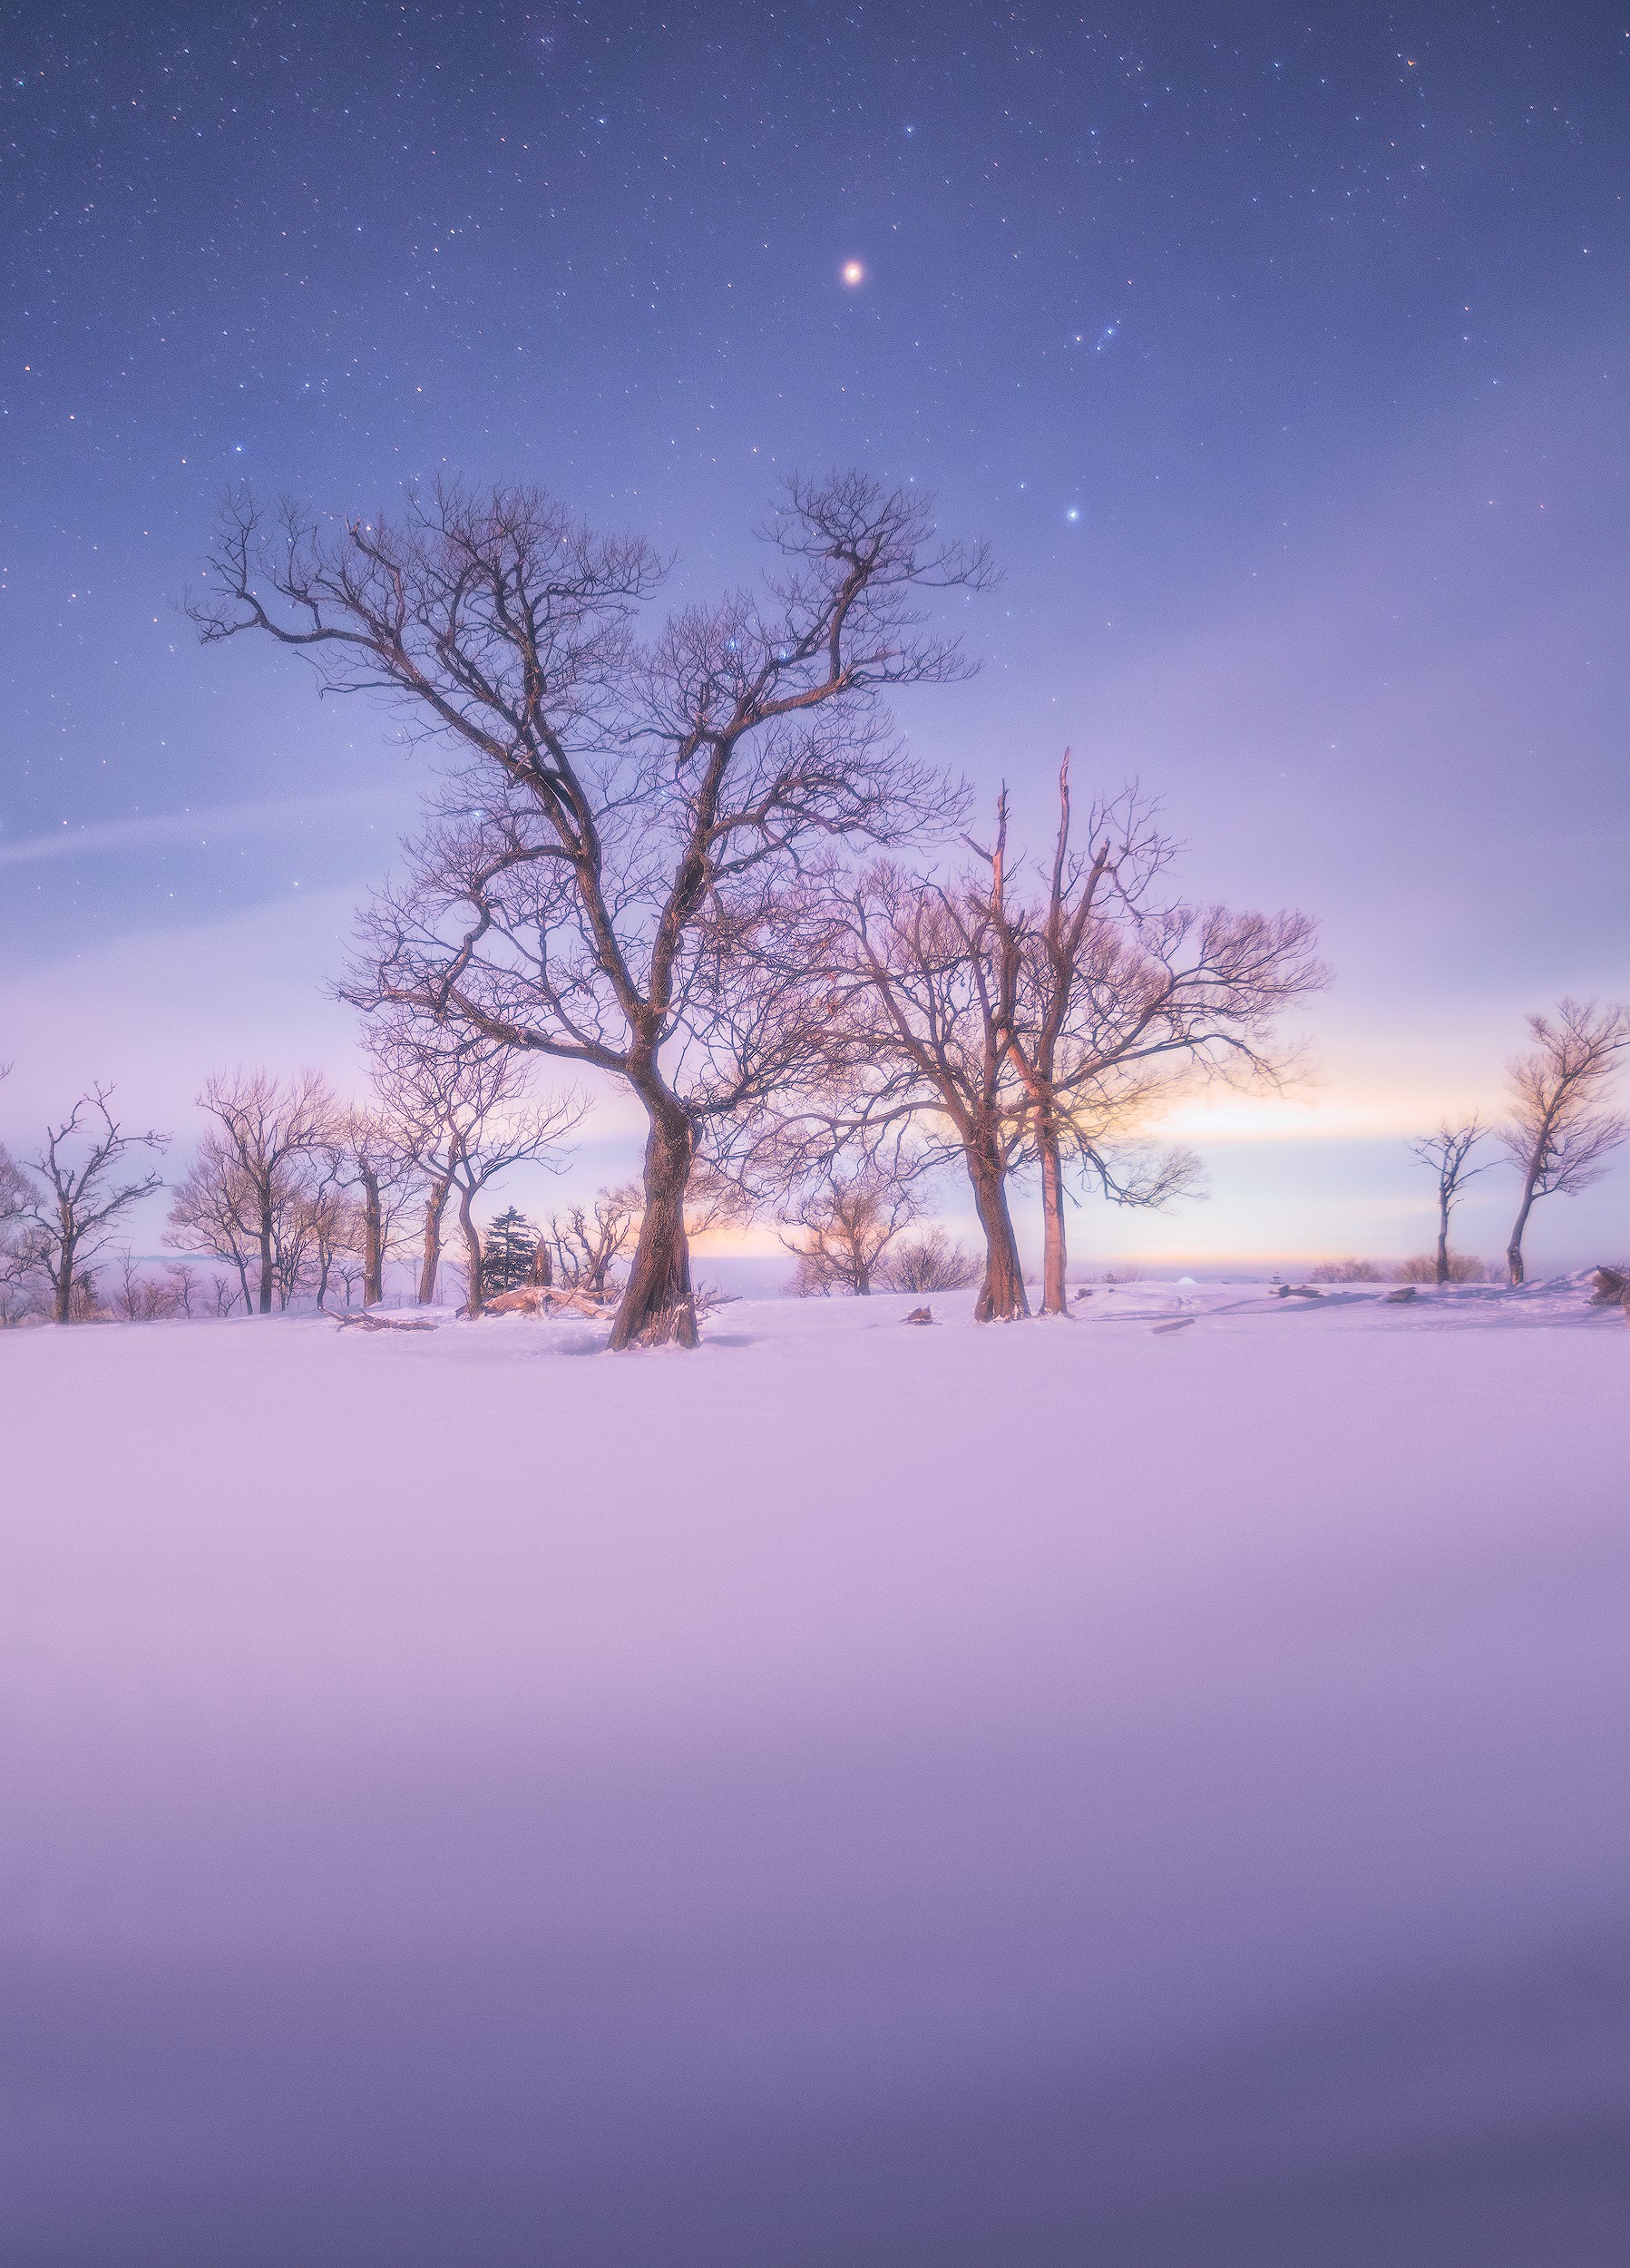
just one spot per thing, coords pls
(1462, 1269)
(1346, 1272)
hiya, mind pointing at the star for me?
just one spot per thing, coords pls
(854, 272)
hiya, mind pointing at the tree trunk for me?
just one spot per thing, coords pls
(657, 1306)
(1002, 1296)
(1055, 1252)
(435, 1205)
(466, 1222)
(243, 1278)
(1514, 1249)
(373, 1243)
(62, 1286)
(266, 1259)
(1442, 1271)
(542, 1270)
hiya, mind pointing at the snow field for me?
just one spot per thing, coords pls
(624, 1765)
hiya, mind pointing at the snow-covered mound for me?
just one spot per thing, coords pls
(1070, 1791)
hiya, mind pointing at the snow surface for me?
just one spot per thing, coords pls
(1061, 1792)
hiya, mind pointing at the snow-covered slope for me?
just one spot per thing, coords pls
(1059, 1792)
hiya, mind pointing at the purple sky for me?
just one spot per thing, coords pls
(1284, 367)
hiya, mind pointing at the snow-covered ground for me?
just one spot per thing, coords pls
(1080, 1792)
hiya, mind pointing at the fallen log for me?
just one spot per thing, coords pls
(364, 1322)
(545, 1299)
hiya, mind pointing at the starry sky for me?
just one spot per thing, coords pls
(1282, 361)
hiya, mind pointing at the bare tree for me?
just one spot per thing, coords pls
(1122, 998)
(313, 1220)
(83, 1198)
(339, 1234)
(587, 1240)
(919, 1037)
(141, 1297)
(213, 1211)
(1449, 1153)
(844, 1224)
(461, 1099)
(609, 879)
(270, 1130)
(1559, 1132)
(378, 1164)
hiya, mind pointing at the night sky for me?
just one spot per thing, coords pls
(1282, 362)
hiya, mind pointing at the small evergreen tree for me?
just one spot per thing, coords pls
(507, 1252)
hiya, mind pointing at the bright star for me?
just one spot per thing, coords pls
(854, 272)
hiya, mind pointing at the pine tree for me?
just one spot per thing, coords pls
(507, 1252)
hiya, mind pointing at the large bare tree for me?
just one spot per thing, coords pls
(610, 875)
(1449, 1154)
(461, 1101)
(84, 1194)
(1560, 1130)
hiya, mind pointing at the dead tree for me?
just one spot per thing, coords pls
(461, 1099)
(845, 1224)
(1449, 1153)
(1123, 997)
(73, 1214)
(270, 1130)
(607, 879)
(1559, 1134)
